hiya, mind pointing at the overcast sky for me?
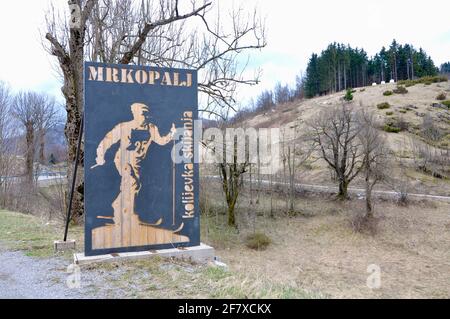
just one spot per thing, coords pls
(295, 30)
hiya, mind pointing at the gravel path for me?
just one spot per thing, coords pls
(32, 278)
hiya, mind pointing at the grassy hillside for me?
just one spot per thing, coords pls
(400, 118)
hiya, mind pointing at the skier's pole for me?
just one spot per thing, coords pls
(173, 185)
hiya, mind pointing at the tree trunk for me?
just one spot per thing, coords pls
(291, 179)
(30, 153)
(231, 214)
(71, 63)
(72, 131)
(343, 190)
(369, 212)
(271, 194)
(42, 148)
(74, 91)
(345, 78)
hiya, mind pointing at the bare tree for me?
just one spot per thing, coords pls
(334, 133)
(374, 152)
(25, 110)
(294, 153)
(430, 159)
(430, 131)
(231, 172)
(264, 101)
(152, 32)
(401, 183)
(47, 116)
(283, 94)
(5, 136)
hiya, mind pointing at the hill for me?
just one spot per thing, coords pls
(422, 122)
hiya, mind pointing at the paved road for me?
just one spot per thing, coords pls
(327, 189)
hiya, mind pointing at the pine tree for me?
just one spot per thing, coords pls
(340, 67)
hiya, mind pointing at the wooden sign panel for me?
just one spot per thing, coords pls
(136, 197)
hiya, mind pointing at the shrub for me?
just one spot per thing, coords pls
(446, 103)
(349, 95)
(402, 124)
(389, 113)
(362, 90)
(400, 90)
(391, 129)
(364, 224)
(258, 241)
(441, 97)
(383, 106)
(403, 111)
(425, 80)
(388, 93)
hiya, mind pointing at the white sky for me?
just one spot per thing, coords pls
(295, 30)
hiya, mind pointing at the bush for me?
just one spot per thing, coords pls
(362, 90)
(403, 111)
(349, 95)
(428, 80)
(383, 106)
(441, 97)
(391, 129)
(389, 113)
(446, 103)
(388, 93)
(365, 224)
(396, 125)
(258, 241)
(400, 90)
(402, 124)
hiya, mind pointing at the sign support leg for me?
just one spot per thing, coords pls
(74, 178)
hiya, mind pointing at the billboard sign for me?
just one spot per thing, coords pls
(137, 197)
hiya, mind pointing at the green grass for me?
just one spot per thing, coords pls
(30, 234)
(446, 103)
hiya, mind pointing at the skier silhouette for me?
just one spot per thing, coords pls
(125, 228)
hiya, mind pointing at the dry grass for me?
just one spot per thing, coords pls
(410, 108)
(318, 250)
(314, 253)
